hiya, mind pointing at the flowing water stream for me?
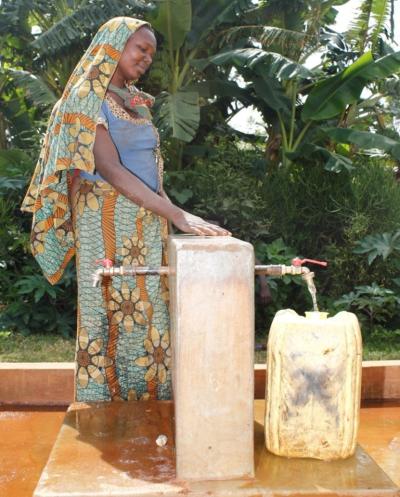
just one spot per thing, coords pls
(309, 279)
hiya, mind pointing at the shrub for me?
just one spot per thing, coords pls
(373, 304)
(222, 188)
(29, 304)
(323, 215)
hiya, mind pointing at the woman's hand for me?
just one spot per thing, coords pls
(110, 168)
(188, 223)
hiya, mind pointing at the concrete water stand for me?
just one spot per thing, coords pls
(109, 449)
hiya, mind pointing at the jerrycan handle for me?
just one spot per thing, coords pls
(299, 262)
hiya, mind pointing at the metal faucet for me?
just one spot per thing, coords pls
(295, 269)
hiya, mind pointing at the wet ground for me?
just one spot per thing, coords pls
(27, 435)
(380, 436)
(26, 438)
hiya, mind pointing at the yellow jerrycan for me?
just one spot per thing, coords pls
(314, 385)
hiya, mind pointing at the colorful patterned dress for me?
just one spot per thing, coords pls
(122, 339)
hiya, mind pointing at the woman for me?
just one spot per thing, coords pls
(97, 193)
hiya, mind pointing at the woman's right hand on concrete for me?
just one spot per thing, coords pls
(109, 167)
(189, 223)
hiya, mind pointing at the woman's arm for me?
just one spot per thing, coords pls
(164, 195)
(109, 167)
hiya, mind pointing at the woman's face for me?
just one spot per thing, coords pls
(137, 55)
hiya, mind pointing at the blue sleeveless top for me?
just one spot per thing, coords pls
(136, 140)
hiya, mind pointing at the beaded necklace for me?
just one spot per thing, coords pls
(134, 100)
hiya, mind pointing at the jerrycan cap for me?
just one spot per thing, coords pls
(316, 315)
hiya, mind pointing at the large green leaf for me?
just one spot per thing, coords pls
(378, 245)
(36, 89)
(178, 114)
(271, 92)
(15, 165)
(334, 162)
(365, 140)
(382, 68)
(83, 21)
(208, 14)
(173, 20)
(358, 31)
(12, 158)
(330, 97)
(266, 35)
(272, 64)
(381, 11)
(267, 88)
(219, 88)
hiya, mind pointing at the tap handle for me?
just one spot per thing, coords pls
(107, 263)
(299, 262)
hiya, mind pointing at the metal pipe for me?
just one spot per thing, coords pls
(281, 270)
(268, 270)
(304, 272)
(127, 270)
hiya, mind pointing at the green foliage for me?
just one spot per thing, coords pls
(173, 27)
(36, 89)
(178, 114)
(372, 303)
(35, 306)
(283, 90)
(324, 215)
(303, 203)
(363, 30)
(365, 140)
(331, 96)
(184, 36)
(222, 189)
(75, 23)
(269, 63)
(332, 162)
(29, 304)
(378, 245)
(382, 339)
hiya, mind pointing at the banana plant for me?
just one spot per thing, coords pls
(374, 17)
(306, 102)
(187, 27)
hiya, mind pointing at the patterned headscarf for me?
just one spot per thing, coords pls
(68, 145)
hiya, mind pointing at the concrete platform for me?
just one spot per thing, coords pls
(110, 450)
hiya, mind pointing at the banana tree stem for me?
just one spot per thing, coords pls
(186, 67)
(171, 52)
(283, 130)
(176, 67)
(293, 113)
(301, 136)
(182, 75)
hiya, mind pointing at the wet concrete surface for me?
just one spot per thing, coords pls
(27, 435)
(379, 435)
(26, 438)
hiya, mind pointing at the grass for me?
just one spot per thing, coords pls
(52, 348)
(35, 348)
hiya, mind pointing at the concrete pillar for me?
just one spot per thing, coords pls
(212, 329)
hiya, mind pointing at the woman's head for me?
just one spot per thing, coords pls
(136, 57)
(123, 45)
